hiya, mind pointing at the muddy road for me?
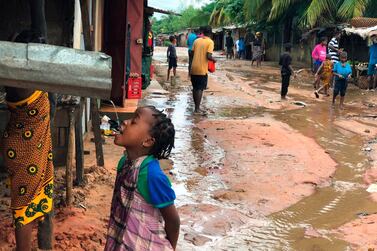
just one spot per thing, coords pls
(260, 174)
(256, 173)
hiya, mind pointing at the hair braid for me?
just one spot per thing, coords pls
(163, 132)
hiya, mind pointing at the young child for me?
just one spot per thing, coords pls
(172, 56)
(286, 70)
(143, 215)
(342, 72)
(325, 73)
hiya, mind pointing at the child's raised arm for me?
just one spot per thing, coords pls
(172, 224)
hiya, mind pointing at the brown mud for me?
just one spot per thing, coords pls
(256, 173)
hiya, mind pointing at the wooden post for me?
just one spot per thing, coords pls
(94, 102)
(79, 145)
(38, 23)
(69, 164)
(38, 20)
(45, 229)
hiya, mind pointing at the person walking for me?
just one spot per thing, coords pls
(372, 63)
(202, 49)
(172, 57)
(258, 49)
(342, 73)
(190, 43)
(286, 70)
(319, 56)
(324, 73)
(229, 44)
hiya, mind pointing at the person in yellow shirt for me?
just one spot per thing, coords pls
(202, 50)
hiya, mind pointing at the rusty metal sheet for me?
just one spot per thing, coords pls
(55, 69)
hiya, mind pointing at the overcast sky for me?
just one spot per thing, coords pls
(175, 5)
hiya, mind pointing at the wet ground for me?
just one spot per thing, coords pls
(256, 173)
(211, 222)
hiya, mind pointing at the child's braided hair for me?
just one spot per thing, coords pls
(163, 132)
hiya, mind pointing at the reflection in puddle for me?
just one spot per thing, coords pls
(197, 163)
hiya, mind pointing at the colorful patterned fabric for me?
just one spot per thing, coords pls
(327, 74)
(134, 223)
(152, 184)
(26, 145)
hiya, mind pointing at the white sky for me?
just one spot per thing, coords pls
(175, 5)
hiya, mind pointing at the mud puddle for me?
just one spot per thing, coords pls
(345, 198)
(308, 224)
(331, 206)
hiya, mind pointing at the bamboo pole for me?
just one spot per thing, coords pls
(94, 102)
(70, 153)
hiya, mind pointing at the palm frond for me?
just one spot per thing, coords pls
(316, 10)
(279, 7)
(352, 8)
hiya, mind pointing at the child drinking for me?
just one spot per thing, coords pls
(143, 215)
(286, 70)
(342, 72)
(172, 56)
(325, 73)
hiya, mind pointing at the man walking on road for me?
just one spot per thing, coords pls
(202, 49)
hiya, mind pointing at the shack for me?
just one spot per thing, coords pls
(356, 42)
(219, 35)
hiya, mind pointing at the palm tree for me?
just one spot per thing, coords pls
(227, 12)
(317, 12)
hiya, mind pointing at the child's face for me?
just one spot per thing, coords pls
(135, 132)
(343, 59)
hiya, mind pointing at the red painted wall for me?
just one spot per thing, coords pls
(135, 17)
(118, 14)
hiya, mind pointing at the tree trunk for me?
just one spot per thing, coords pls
(287, 34)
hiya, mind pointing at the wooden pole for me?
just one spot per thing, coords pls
(38, 19)
(38, 24)
(79, 144)
(69, 163)
(94, 102)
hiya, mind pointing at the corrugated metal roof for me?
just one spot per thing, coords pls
(363, 22)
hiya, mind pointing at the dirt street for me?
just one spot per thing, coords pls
(256, 173)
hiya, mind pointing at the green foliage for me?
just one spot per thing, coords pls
(227, 12)
(310, 13)
(266, 14)
(190, 18)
